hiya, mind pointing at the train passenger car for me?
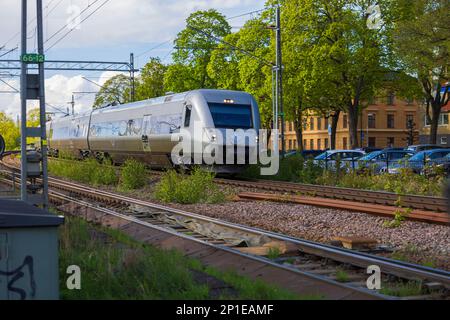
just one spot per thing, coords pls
(148, 130)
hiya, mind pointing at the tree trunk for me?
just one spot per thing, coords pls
(436, 112)
(298, 125)
(353, 116)
(334, 123)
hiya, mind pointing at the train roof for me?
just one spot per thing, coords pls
(153, 101)
(167, 98)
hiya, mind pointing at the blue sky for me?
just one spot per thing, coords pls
(118, 28)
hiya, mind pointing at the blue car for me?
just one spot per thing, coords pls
(376, 160)
(346, 158)
(417, 162)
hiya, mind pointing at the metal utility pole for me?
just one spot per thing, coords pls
(33, 164)
(72, 103)
(279, 76)
(133, 85)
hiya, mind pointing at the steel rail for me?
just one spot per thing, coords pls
(388, 266)
(430, 203)
(398, 268)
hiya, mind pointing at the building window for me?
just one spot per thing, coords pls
(319, 123)
(372, 142)
(344, 143)
(390, 121)
(344, 122)
(390, 141)
(290, 145)
(304, 143)
(326, 123)
(311, 124)
(371, 120)
(443, 140)
(443, 120)
(409, 120)
(390, 99)
(311, 144)
(319, 147)
(326, 143)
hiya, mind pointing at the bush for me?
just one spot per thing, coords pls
(133, 175)
(405, 182)
(293, 168)
(194, 188)
(89, 171)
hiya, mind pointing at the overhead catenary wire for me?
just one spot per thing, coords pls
(70, 30)
(71, 21)
(247, 13)
(248, 53)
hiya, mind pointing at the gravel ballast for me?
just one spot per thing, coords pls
(422, 242)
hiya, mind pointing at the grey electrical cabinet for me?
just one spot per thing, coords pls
(28, 252)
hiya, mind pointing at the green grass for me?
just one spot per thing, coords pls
(410, 288)
(273, 253)
(88, 171)
(255, 289)
(114, 266)
(342, 276)
(297, 169)
(197, 187)
(133, 175)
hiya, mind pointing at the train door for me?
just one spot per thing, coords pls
(146, 131)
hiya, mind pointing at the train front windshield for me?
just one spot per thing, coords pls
(231, 116)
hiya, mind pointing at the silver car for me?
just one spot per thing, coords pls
(347, 158)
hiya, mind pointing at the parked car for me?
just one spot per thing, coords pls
(375, 161)
(423, 147)
(443, 163)
(417, 162)
(368, 149)
(329, 158)
(306, 154)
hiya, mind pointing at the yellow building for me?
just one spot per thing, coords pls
(443, 134)
(383, 124)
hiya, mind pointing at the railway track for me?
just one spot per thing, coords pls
(428, 203)
(302, 266)
(424, 208)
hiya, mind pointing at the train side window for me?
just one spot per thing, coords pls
(187, 116)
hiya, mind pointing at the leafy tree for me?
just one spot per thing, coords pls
(422, 40)
(354, 55)
(179, 78)
(223, 67)
(244, 63)
(116, 89)
(256, 74)
(194, 46)
(33, 118)
(10, 132)
(151, 81)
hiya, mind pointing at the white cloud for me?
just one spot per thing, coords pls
(58, 91)
(117, 22)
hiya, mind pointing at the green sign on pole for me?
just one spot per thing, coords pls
(32, 58)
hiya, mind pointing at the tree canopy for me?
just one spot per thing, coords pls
(9, 131)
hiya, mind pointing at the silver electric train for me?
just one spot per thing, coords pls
(149, 130)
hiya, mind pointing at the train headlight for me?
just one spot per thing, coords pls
(211, 134)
